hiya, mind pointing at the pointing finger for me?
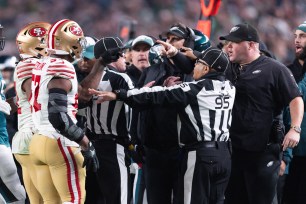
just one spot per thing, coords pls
(166, 45)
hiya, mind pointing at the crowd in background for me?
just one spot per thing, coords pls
(274, 18)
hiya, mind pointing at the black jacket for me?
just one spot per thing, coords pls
(263, 88)
(297, 70)
(134, 74)
(159, 124)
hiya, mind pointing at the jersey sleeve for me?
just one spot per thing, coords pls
(24, 69)
(23, 72)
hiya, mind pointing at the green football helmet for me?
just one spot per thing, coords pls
(202, 42)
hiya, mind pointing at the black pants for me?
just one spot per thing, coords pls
(205, 174)
(254, 176)
(295, 189)
(161, 175)
(110, 184)
(280, 190)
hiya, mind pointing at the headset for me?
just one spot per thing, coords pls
(189, 41)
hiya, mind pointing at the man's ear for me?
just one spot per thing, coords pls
(207, 69)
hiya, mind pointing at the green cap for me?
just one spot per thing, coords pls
(302, 27)
(89, 49)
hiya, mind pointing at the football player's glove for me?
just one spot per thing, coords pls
(90, 158)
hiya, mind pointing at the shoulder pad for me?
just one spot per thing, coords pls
(24, 68)
(61, 68)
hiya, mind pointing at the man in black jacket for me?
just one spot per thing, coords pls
(140, 60)
(264, 87)
(159, 126)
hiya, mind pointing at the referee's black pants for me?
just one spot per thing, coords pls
(254, 176)
(205, 173)
(161, 175)
(110, 184)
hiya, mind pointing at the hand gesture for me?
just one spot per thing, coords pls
(103, 95)
(188, 52)
(172, 80)
(171, 51)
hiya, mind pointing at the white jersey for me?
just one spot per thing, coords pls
(23, 72)
(45, 70)
(21, 139)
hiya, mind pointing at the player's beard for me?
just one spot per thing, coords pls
(302, 55)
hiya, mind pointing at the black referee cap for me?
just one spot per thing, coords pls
(107, 43)
(215, 58)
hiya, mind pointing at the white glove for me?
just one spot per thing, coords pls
(5, 107)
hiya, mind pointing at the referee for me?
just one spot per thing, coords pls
(204, 118)
(108, 130)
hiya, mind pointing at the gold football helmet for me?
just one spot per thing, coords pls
(32, 39)
(66, 37)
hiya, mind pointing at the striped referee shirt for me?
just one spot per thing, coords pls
(204, 106)
(110, 118)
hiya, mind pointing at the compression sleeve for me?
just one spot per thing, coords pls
(58, 117)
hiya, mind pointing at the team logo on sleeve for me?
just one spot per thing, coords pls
(37, 32)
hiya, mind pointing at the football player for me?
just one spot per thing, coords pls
(11, 190)
(55, 149)
(31, 44)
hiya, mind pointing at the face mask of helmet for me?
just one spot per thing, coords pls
(31, 40)
(67, 38)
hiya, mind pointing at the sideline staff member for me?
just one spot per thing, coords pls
(264, 87)
(204, 118)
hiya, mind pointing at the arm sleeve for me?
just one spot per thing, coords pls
(183, 63)
(59, 118)
(178, 94)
